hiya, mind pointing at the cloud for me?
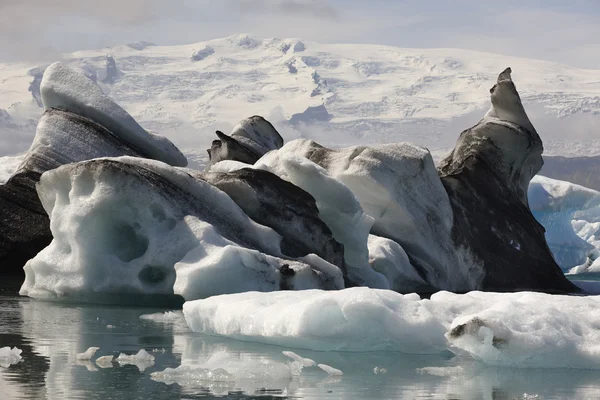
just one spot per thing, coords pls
(302, 8)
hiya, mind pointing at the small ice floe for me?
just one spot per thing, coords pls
(442, 371)
(379, 371)
(9, 356)
(305, 362)
(88, 354)
(330, 370)
(142, 359)
(110, 327)
(163, 317)
(105, 361)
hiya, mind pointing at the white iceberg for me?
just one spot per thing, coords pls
(525, 330)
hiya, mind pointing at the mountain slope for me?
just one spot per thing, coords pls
(337, 94)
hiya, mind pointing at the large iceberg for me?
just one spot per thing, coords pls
(526, 329)
(120, 225)
(79, 123)
(487, 176)
(398, 188)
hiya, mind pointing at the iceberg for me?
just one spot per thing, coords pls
(522, 330)
(570, 214)
(487, 177)
(120, 226)
(80, 123)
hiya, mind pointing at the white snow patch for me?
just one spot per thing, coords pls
(9, 356)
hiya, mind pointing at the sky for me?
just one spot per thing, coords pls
(557, 30)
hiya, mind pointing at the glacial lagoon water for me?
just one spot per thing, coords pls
(51, 334)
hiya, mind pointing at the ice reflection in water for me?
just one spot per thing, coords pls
(51, 335)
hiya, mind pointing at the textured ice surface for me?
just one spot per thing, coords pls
(9, 356)
(570, 213)
(120, 225)
(523, 329)
(397, 187)
(69, 90)
(338, 208)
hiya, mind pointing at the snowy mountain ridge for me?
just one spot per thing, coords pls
(339, 94)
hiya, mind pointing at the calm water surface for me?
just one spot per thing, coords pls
(51, 334)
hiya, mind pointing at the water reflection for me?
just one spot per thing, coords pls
(50, 336)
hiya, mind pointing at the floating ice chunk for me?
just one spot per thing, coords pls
(232, 370)
(165, 317)
(379, 371)
(88, 354)
(330, 370)
(110, 327)
(105, 361)
(9, 356)
(526, 329)
(69, 90)
(442, 371)
(356, 319)
(306, 362)
(142, 359)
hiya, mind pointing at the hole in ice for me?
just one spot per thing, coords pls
(125, 242)
(152, 275)
(157, 212)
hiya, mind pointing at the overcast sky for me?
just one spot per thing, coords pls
(557, 30)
